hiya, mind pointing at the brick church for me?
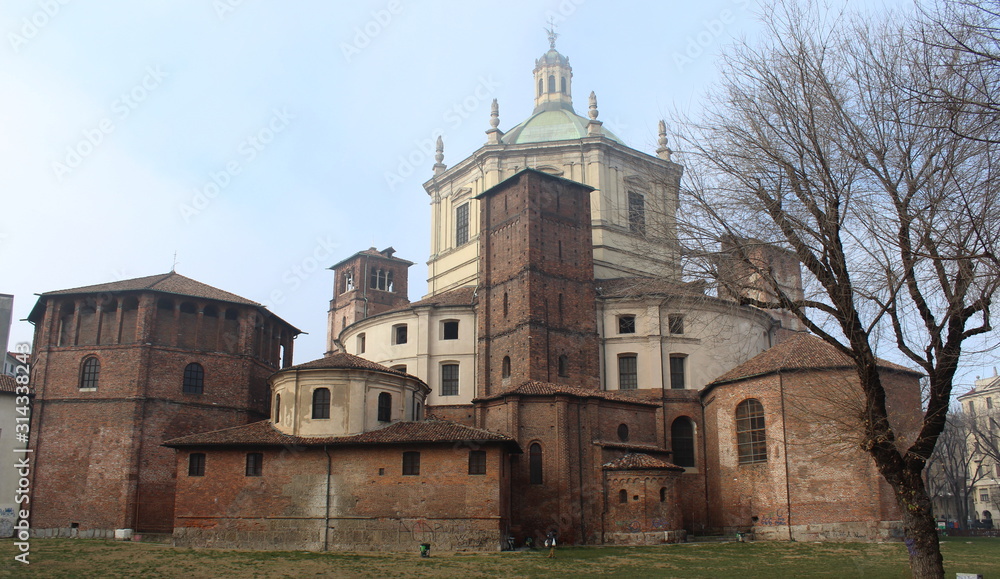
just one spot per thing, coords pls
(559, 375)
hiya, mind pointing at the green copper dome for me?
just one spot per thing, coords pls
(552, 125)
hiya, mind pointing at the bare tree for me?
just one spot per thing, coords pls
(810, 147)
(952, 471)
(967, 81)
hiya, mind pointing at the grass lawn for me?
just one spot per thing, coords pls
(53, 558)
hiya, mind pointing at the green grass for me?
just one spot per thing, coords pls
(55, 558)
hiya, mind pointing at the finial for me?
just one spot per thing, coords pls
(494, 114)
(593, 106)
(173, 268)
(663, 151)
(439, 167)
(552, 33)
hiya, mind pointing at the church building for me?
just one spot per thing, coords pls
(558, 375)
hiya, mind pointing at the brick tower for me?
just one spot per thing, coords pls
(367, 283)
(119, 368)
(536, 311)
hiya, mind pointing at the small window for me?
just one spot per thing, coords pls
(626, 324)
(321, 403)
(751, 439)
(399, 368)
(361, 343)
(563, 85)
(196, 464)
(477, 462)
(663, 494)
(677, 372)
(676, 323)
(384, 407)
(505, 304)
(636, 212)
(623, 432)
(277, 408)
(682, 441)
(194, 379)
(552, 83)
(411, 463)
(449, 379)
(535, 464)
(462, 225)
(541, 87)
(628, 372)
(505, 367)
(563, 365)
(984, 495)
(623, 496)
(399, 334)
(90, 373)
(255, 464)
(449, 330)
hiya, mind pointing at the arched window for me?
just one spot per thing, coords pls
(751, 441)
(535, 464)
(194, 378)
(384, 407)
(277, 408)
(90, 373)
(563, 365)
(564, 85)
(541, 87)
(623, 496)
(505, 367)
(663, 494)
(321, 403)
(623, 432)
(682, 441)
(552, 83)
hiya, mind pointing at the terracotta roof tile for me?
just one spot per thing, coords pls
(535, 388)
(8, 385)
(800, 352)
(624, 287)
(639, 461)
(172, 283)
(463, 296)
(343, 360)
(264, 433)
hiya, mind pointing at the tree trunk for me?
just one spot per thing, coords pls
(919, 527)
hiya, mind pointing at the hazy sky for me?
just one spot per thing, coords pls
(264, 141)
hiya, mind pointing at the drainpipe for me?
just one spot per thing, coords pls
(784, 443)
(326, 522)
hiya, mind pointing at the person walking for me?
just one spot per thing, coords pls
(550, 542)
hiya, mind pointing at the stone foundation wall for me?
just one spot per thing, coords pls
(254, 534)
(834, 532)
(73, 533)
(654, 538)
(408, 534)
(354, 534)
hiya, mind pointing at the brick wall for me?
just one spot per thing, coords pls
(98, 460)
(444, 505)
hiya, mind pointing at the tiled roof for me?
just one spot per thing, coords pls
(463, 296)
(624, 287)
(346, 361)
(535, 388)
(172, 283)
(800, 352)
(8, 384)
(639, 461)
(264, 433)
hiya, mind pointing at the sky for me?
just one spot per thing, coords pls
(262, 142)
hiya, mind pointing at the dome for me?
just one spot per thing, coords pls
(552, 125)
